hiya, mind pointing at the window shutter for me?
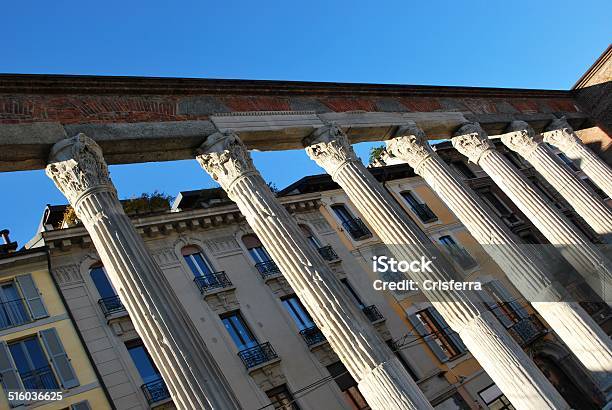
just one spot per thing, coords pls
(493, 305)
(429, 339)
(82, 405)
(505, 296)
(446, 329)
(59, 359)
(31, 296)
(8, 372)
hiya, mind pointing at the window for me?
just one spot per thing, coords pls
(12, 308)
(32, 364)
(298, 312)
(444, 342)
(396, 351)
(354, 226)
(282, 398)
(353, 294)
(256, 249)
(502, 304)
(514, 159)
(500, 208)
(197, 262)
(310, 236)
(495, 399)
(463, 168)
(143, 362)
(239, 331)
(545, 193)
(530, 238)
(459, 255)
(568, 161)
(348, 386)
(101, 282)
(342, 213)
(423, 211)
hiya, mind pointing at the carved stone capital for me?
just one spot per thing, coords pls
(472, 141)
(225, 157)
(560, 134)
(329, 147)
(520, 137)
(411, 146)
(77, 167)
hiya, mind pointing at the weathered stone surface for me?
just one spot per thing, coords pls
(201, 105)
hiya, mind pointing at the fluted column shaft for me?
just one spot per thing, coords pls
(496, 351)
(575, 327)
(561, 135)
(522, 139)
(77, 167)
(585, 257)
(382, 379)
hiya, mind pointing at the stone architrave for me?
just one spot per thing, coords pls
(521, 138)
(561, 135)
(496, 351)
(78, 169)
(584, 337)
(588, 260)
(382, 379)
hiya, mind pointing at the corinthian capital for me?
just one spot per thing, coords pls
(410, 145)
(521, 138)
(329, 147)
(77, 167)
(560, 134)
(225, 157)
(472, 141)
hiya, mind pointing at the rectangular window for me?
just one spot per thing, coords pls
(342, 213)
(198, 265)
(514, 159)
(444, 342)
(282, 398)
(239, 331)
(423, 211)
(505, 307)
(143, 362)
(459, 255)
(260, 254)
(348, 386)
(495, 399)
(13, 310)
(463, 168)
(352, 292)
(101, 282)
(499, 207)
(298, 313)
(32, 364)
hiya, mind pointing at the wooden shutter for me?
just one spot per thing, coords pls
(59, 358)
(446, 329)
(82, 405)
(32, 296)
(8, 371)
(429, 338)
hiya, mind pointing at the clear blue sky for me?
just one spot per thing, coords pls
(527, 44)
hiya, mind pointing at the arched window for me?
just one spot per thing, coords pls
(310, 236)
(101, 281)
(197, 262)
(256, 248)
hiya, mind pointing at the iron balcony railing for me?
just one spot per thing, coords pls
(461, 256)
(356, 228)
(328, 253)
(213, 281)
(312, 335)
(527, 330)
(111, 305)
(13, 313)
(256, 355)
(39, 379)
(372, 313)
(424, 213)
(155, 391)
(267, 269)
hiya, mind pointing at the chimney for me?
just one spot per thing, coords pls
(7, 246)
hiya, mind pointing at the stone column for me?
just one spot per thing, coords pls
(561, 135)
(585, 257)
(78, 169)
(522, 139)
(575, 327)
(496, 351)
(382, 379)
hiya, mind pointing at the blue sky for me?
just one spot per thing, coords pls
(527, 44)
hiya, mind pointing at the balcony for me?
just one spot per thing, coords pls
(527, 330)
(357, 229)
(39, 379)
(312, 336)
(155, 391)
(424, 213)
(111, 305)
(13, 313)
(254, 356)
(461, 256)
(212, 282)
(267, 269)
(373, 314)
(328, 253)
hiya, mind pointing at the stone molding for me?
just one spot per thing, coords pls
(521, 138)
(329, 147)
(411, 144)
(472, 141)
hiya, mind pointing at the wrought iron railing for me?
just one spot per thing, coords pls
(155, 391)
(328, 253)
(39, 379)
(267, 269)
(372, 313)
(256, 355)
(461, 256)
(312, 335)
(527, 330)
(213, 281)
(424, 213)
(356, 228)
(13, 313)
(111, 305)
